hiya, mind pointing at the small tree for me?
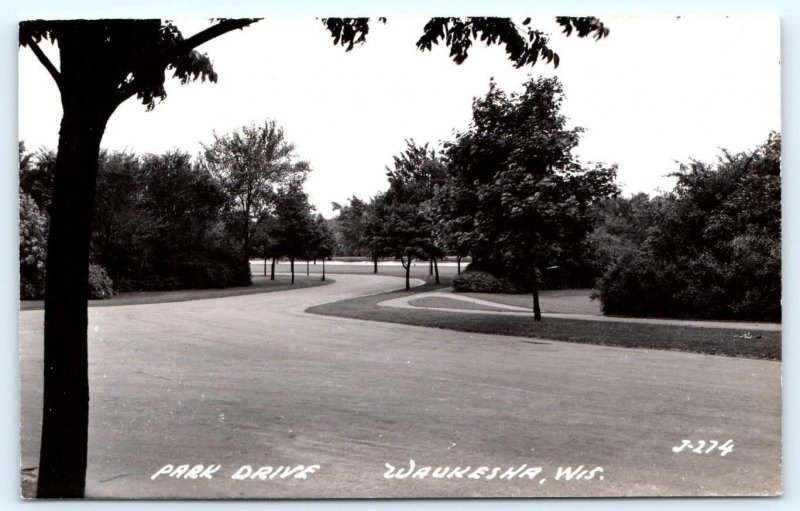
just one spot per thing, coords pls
(294, 224)
(322, 241)
(350, 227)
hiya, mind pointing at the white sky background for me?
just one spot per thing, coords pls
(655, 91)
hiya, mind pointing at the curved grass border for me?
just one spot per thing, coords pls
(710, 341)
(281, 283)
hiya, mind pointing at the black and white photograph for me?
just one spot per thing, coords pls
(401, 257)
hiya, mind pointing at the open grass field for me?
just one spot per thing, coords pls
(713, 341)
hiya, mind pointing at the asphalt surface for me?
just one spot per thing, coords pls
(253, 380)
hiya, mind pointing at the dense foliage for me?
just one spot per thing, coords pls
(514, 196)
(709, 249)
(160, 222)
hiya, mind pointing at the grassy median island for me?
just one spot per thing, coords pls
(261, 284)
(712, 341)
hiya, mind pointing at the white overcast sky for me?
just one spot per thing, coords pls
(655, 91)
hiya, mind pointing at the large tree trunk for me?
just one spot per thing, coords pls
(430, 266)
(272, 271)
(436, 269)
(375, 265)
(65, 418)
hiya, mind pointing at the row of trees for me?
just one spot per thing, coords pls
(508, 192)
(169, 221)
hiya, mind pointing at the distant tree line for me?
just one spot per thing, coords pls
(509, 194)
(170, 221)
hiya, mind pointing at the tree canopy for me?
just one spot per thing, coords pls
(515, 197)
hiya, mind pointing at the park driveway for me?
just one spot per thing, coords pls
(254, 380)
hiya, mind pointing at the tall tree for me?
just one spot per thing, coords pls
(102, 64)
(514, 174)
(251, 163)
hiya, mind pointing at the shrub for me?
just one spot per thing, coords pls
(32, 248)
(483, 282)
(100, 284)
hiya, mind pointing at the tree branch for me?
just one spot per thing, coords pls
(44, 60)
(208, 34)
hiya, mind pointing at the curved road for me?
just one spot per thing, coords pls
(254, 380)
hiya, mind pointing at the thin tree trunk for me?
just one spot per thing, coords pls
(65, 417)
(323, 269)
(291, 259)
(375, 265)
(537, 312)
(430, 266)
(308, 271)
(436, 269)
(458, 260)
(272, 271)
(408, 272)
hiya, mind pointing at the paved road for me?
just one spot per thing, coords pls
(253, 380)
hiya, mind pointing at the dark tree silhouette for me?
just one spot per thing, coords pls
(102, 64)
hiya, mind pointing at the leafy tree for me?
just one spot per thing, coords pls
(322, 241)
(373, 229)
(401, 226)
(250, 163)
(294, 224)
(264, 242)
(36, 175)
(708, 249)
(514, 196)
(350, 227)
(102, 64)
(120, 223)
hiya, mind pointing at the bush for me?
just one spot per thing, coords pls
(32, 248)
(100, 284)
(710, 249)
(483, 282)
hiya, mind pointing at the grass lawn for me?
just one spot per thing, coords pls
(565, 301)
(260, 285)
(442, 302)
(713, 341)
